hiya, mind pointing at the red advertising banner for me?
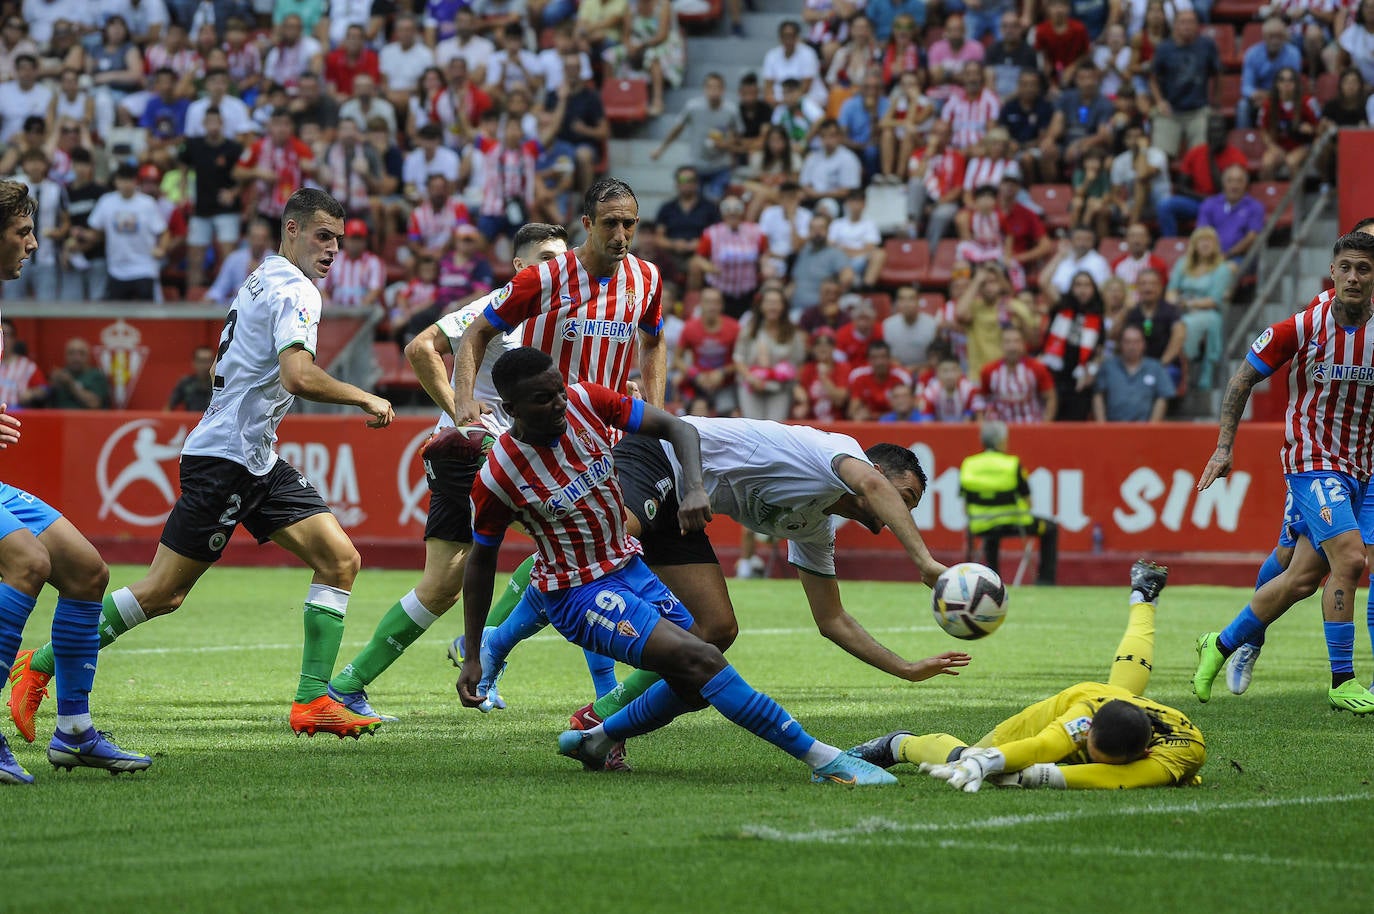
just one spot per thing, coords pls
(114, 474)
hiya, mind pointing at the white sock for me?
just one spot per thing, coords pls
(895, 745)
(331, 599)
(820, 754)
(1138, 597)
(129, 609)
(417, 612)
(74, 724)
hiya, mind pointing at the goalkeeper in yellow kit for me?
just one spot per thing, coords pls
(1092, 735)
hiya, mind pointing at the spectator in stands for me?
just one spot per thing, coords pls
(767, 355)
(827, 26)
(859, 239)
(991, 163)
(293, 54)
(852, 338)
(244, 59)
(792, 59)
(828, 312)
(786, 225)
(309, 12)
(1077, 254)
(457, 107)
(1028, 117)
(464, 275)
(465, 42)
(1183, 77)
(22, 383)
(903, 53)
(1016, 388)
(358, 276)
(72, 105)
(511, 190)
(713, 127)
(822, 389)
(366, 104)
(903, 406)
(1139, 256)
(352, 172)
(215, 217)
(948, 57)
(1082, 120)
(1356, 40)
(1130, 386)
(584, 126)
(192, 393)
(682, 221)
(984, 309)
(417, 295)
(1237, 216)
(14, 41)
(971, 108)
(351, 59)
(935, 177)
(816, 262)
(276, 165)
(905, 125)
(434, 221)
(1140, 178)
(870, 384)
(1030, 242)
(1198, 286)
(311, 106)
(598, 23)
(241, 262)
(1350, 107)
(949, 396)
(909, 331)
(1115, 303)
(650, 44)
(1288, 123)
(430, 157)
(1161, 323)
(861, 54)
(885, 13)
(1063, 42)
(1113, 59)
(51, 226)
(797, 115)
(135, 234)
(755, 113)
(1092, 194)
(1009, 56)
(706, 354)
(236, 120)
(402, 60)
(831, 170)
(1260, 65)
(78, 383)
(1072, 346)
(728, 257)
(1200, 172)
(983, 237)
(83, 273)
(860, 120)
(513, 65)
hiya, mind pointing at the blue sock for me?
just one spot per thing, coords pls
(1269, 570)
(602, 669)
(1245, 628)
(756, 712)
(655, 708)
(1369, 610)
(75, 644)
(14, 612)
(523, 622)
(1340, 648)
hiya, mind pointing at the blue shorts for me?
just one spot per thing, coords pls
(20, 510)
(1293, 524)
(614, 614)
(1327, 505)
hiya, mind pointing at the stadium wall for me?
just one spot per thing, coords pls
(114, 474)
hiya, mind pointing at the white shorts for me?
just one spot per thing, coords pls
(223, 228)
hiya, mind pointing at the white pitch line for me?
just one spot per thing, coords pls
(877, 826)
(1134, 853)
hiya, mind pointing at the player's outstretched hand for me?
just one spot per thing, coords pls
(1217, 467)
(946, 664)
(931, 573)
(469, 676)
(969, 772)
(694, 512)
(468, 412)
(9, 427)
(380, 411)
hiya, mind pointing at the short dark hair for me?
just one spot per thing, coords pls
(308, 201)
(213, 110)
(537, 233)
(517, 365)
(430, 132)
(216, 71)
(15, 203)
(985, 190)
(827, 124)
(83, 155)
(878, 345)
(895, 460)
(1121, 729)
(1358, 242)
(33, 61)
(513, 30)
(165, 71)
(749, 79)
(603, 190)
(1362, 224)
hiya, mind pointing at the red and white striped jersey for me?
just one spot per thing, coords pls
(736, 252)
(1012, 393)
(433, 228)
(509, 175)
(586, 323)
(286, 163)
(969, 117)
(958, 405)
(566, 494)
(1331, 389)
(984, 170)
(1128, 268)
(348, 281)
(185, 62)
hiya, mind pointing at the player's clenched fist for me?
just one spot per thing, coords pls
(694, 511)
(380, 410)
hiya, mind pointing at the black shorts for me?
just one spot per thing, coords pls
(647, 481)
(217, 495)
(450, 498)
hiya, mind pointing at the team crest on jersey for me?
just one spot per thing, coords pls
(1263, 340)
(1326, 516)
(650, 508)
(623, 627)
(585, 437)
(630, 299)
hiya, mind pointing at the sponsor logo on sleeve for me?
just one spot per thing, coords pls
(500, 295)
(1263, 340)
(1078, 728)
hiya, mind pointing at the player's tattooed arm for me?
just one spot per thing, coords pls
(1232, 408)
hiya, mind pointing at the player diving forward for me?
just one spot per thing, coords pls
(38, 546)
(554, 472)
(231, 474)
(1327, 459)
(1090, 735)
(776, 480)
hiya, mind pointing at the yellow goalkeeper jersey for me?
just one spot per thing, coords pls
(1056, 730)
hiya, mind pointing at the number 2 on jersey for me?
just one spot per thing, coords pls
(231, 321)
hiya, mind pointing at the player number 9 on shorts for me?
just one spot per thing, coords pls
(969, 601)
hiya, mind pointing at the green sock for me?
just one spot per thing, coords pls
(403, 623)
(634, 685)
(519, 580)
(112, 625)
(324, 625)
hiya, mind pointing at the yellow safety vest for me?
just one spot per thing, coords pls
(991, 486)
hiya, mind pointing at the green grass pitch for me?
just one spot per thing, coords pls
(450, 810)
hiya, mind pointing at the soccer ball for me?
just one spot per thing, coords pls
(969, 601)
(468, 444)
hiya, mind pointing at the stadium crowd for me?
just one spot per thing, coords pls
(1071, 179)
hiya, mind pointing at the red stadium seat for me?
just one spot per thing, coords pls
(1170, 250)
(395, 371)
(1249, 141)
(1055, 200)
(881, 302)
(706, 18)
(932, 305)
(1328, 84)
(1236, 10)
(907, 259)
(1251, 35)
(1225, 37)
(1230, 94)
(626, 100)
(1112, 248)
(1271, 194)
(941, 269)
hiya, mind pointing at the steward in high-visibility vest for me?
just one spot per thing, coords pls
(997, 497)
